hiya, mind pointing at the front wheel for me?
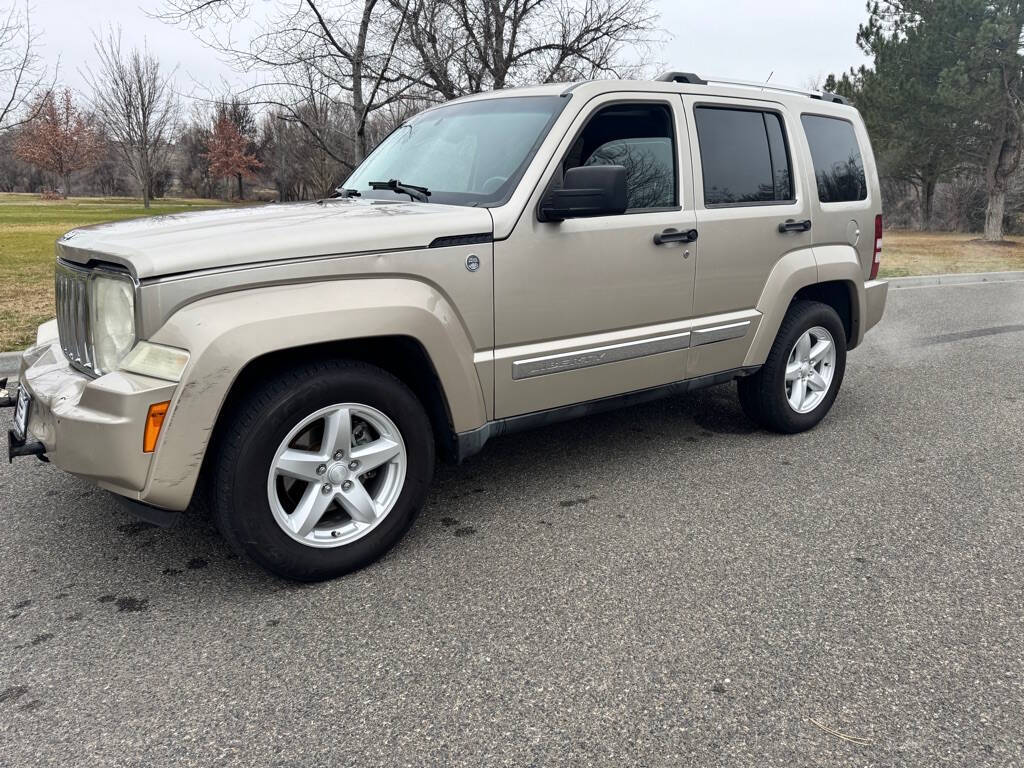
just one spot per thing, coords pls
(799, 381)
(322, 469)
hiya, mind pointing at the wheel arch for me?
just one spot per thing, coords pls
(404, 357)
(830, 274)
(403, 326)
(841, 295)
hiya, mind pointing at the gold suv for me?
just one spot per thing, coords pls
(498, 262)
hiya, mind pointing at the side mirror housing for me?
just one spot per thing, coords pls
(591, 190)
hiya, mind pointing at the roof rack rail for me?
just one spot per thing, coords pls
(681, 77)
(691, 79)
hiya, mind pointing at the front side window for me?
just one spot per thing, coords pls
(470, 153)
(638, 137)
(838, 167)
(744, 156)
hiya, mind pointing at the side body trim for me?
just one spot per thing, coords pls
(627, 350)
(720, 333)
(611, 353)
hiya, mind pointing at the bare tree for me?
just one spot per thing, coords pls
(344, 51)
(467, 46)
(371, 57)
(137, 106)
(23, 76)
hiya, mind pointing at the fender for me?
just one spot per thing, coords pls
(791, 273)
(801, 269)
(840, 263)
(224, 333)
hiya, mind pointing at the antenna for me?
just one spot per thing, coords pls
(766, 80)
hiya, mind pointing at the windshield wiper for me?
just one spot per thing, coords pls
(420, 194)
(346, 192)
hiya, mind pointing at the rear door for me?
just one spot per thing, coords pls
(745, 161)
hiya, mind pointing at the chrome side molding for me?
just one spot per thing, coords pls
(720, 333)
(627, 350)
(611, 353)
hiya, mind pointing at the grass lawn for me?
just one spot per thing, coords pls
(28, 228)
(938, 253)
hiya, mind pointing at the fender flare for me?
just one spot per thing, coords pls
(224, 333)
(801, 269)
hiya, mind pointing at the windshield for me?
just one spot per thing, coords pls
(470, 153)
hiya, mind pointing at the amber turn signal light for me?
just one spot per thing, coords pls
(154, 421)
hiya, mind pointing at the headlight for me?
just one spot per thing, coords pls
(112, 304)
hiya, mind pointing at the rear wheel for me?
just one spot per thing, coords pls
(799, 381)
(321, 470)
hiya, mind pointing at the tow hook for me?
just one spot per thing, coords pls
(16, 447)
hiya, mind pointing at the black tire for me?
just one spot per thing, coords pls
(255, 426)
(763, 395)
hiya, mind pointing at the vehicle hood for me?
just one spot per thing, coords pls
(186, 242)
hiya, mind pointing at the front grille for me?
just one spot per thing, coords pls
(72, 294)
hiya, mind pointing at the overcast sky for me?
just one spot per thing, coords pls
(742, 39)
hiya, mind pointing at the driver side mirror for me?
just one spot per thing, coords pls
(590, 190)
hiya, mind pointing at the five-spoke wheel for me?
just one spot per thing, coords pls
(321, 468)
(809, 369)
(797, 384)
(336, 475)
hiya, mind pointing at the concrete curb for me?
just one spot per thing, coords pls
(9, 362)
(969, 278)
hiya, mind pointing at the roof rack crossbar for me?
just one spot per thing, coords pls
(691, 79)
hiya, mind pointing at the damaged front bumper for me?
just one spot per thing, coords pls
(90, 427)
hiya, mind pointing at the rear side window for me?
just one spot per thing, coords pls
(838, 167)
(744, 156)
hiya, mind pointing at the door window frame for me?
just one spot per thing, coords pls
(721, 105)
(594, 112)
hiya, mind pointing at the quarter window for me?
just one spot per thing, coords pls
(639, 137)
(744, 156)
(838, 167)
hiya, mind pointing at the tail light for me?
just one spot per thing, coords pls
(876, 258)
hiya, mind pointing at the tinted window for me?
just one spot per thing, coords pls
(743, 155)
(638, 137)
(838, 167)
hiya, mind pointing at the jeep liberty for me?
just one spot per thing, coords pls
(498, 262)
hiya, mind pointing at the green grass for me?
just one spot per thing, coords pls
(29, 227)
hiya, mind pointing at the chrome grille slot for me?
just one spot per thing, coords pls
(72, 300)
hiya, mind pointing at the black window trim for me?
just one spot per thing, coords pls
(669, 105)
(785, 138)
(867, 189)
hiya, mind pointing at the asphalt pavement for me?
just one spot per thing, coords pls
(660, 586)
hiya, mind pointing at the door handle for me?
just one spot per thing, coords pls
(792, 225)
(675, 236)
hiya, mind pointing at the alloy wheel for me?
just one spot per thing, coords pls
(337, 475)
(810, 369)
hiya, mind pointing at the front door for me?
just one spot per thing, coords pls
(593, 307)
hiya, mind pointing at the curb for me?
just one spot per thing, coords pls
(9, 363)
(970, 278)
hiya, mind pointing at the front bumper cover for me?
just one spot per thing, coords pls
(89, 427)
